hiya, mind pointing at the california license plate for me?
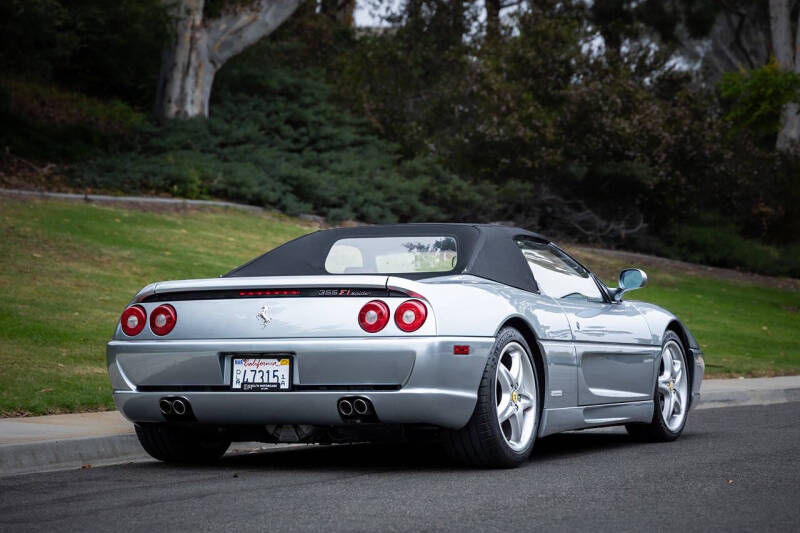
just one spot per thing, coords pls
(261, 374)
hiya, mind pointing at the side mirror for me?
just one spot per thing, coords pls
(629, 279)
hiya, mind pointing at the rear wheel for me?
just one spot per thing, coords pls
(180, 445)
(503, 427)
(671, 396)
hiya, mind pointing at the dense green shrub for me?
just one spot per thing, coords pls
(42, 122)
(721, 245)
(428, 120)
(107, 49)
(275, 139)
(755, 99)
(34, 36)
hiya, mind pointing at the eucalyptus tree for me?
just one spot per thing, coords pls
(206, 34)
(786, 47)
(723, 35)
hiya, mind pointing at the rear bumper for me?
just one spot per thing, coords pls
(420, 380)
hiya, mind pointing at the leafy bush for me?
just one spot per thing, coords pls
(106, 49)
(756, 98)
(275, 139)
(34, 36)
(43, 122)
(721, 245)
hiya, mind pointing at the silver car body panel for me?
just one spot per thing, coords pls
(598, 358)
(432, 385)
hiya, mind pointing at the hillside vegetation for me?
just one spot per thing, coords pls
(577, 119)
(67, 270)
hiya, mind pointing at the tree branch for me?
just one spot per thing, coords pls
(238, 29)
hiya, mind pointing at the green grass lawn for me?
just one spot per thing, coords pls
(744, 328)
(67, 270)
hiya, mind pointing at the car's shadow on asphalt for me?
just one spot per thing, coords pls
(428, 456)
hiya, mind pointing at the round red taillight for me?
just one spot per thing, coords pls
(374, 316)
(133, 320)
(410, 315)
(163, 319)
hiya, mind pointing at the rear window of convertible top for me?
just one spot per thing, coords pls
(392, 255)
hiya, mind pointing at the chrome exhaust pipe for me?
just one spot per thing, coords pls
(345, 407)
(179, 407)
(165, 406)
(360, 406)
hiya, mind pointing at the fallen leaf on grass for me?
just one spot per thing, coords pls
(46, 390)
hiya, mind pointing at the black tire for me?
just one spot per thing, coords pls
(178, 445)
(656, 430)
(481, 442)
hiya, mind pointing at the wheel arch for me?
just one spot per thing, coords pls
(525, 329)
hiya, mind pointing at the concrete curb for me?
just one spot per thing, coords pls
(68, 453)
(88, 452)
(731, 396)
(132, 199)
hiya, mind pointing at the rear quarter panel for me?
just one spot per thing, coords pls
(471, 306)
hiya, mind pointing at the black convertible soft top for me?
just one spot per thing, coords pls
(484, 250)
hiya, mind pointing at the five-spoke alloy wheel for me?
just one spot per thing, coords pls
(503, 427)
(516, 396)
(671, 397)
(672, 386)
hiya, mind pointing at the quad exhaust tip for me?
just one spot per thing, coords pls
(360, 406)
(175, 407)
(345, 407)
(165, 406)
(179, 407)
(356, 409)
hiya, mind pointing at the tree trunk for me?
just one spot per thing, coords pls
(780, 26)
(740, 39)
(346, 13)
(783, 47)
(342, 11)
(184, 85)
(789, 135)
(492, 18)
(200, 47)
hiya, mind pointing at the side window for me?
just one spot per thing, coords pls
(556, 273)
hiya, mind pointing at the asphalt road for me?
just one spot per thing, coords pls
(734, 469)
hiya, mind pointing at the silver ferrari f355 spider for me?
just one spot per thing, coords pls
(484, 337)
